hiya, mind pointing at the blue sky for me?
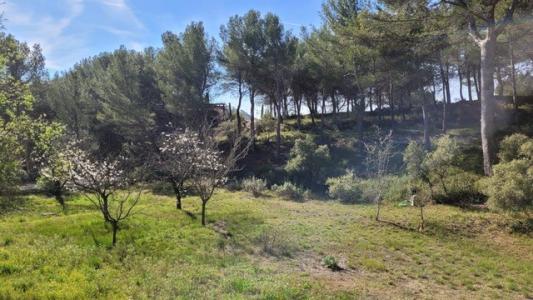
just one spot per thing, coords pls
(69, 30)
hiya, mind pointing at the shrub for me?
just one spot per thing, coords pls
(461, 189)
(522, 226)
(331, 263)
(254, 185)
(309, 163)
(398, 188)
(233, 185)
(511, 186)
(346, 188)
(276, 243)
(162, 188)
(289, 191)
(395, 189)
(510, 146)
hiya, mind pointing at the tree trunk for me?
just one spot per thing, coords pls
(460, 83)
(114, 227)
(487, 47)
(422, 222)
(298, 104)
(379, 208)
(239, 107)
(361, 114)
(469, 83)
(278, 130)
(391, 99)
(58, 194)
(401, 107)
(444, 100)
(203, 212)
(370, 100)
(177, 193)
(448, 93)
(513, 75)
(323, 104)
(252, 114)
(311, 103)
(500, 81)
(476, 85)
(425, 117)
(380, 106)
(434, 93)
(285, 106)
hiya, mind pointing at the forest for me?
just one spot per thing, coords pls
(385, 153)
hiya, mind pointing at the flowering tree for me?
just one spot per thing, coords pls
(213, 167)
(179, 154)
(100, 180)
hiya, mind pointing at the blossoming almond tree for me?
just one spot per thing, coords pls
(178, 156)
(212, 166)
(101, 180)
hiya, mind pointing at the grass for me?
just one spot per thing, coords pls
(275, 251)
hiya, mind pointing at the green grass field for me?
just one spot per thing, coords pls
(273, 249)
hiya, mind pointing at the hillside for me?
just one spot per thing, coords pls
(344, 139)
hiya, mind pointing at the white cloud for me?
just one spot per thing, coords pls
(43, 29)
(122, 10)
(72, 29)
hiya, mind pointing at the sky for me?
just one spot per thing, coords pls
(70, 30)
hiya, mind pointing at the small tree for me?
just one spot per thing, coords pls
(415, 158)
(440, 161)
(212, 167)
(101, 180)
(178, 156)
(378, 154)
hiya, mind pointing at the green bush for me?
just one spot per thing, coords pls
(510, 146)
(309, 163)
(438, 173)
(162, 188)
(331, 263)
(289, 191)
(397, 189)
(461, 189)
(524, 226)
(511, 186)
(254, 185)
(346, 188)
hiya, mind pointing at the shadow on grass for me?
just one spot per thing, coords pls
(398, 225)
(438, 229)
(10, 204)
(190, 214)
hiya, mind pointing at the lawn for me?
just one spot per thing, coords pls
(262, 248)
